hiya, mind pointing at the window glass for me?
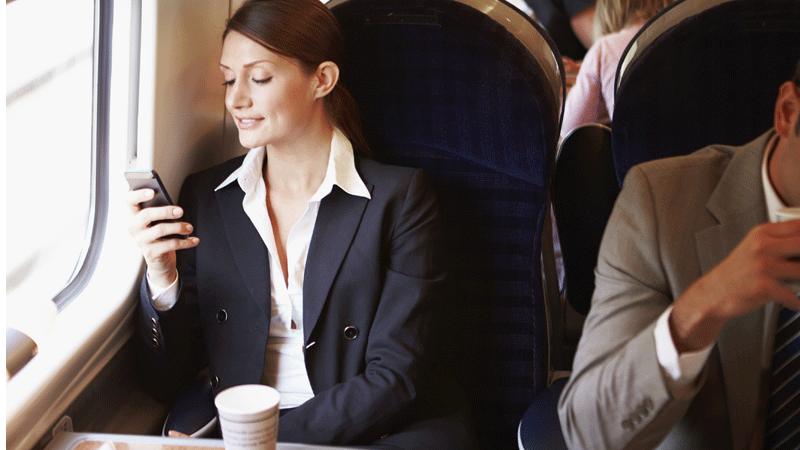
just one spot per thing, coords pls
(49, 144)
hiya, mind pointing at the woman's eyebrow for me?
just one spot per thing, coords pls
(250, 64)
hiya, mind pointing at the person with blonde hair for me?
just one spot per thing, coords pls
(591, 99)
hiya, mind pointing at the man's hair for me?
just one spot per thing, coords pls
(796, 77)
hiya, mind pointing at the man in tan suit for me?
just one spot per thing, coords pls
(690, 279)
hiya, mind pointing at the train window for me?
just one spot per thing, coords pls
(65, 201)
(55, 149)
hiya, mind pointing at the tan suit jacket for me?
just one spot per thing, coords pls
(674, 220)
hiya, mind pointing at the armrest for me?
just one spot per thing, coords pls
(20, 348)
(540, 427)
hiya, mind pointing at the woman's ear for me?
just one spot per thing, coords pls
(326, 75)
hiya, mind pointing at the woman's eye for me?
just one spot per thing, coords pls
(228, 82)
(262, 80)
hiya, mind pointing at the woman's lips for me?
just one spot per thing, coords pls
(244, 123)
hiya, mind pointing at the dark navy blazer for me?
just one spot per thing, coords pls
(373, 279)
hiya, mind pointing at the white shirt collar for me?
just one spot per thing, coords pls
(774, 202)
(341, 170)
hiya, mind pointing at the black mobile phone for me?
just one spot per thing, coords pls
(148, 179)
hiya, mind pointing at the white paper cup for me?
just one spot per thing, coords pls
(785, 215)
(248, 415)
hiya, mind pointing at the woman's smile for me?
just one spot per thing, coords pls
(246, 123)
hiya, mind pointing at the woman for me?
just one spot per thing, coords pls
(310, 269)
(591, 99)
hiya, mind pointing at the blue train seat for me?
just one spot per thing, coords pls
(585, 189)
(472, 92)
(702, 72)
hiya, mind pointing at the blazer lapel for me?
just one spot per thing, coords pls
(249, 251)
(738, 205)
(337, 221)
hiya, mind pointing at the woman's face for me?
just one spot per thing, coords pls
(269, 96)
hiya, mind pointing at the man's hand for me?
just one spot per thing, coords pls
(749, 277)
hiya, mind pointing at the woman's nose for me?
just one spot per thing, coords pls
(238, 96)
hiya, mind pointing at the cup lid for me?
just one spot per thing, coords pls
(247, 402)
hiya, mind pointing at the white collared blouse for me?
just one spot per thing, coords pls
(285, 368)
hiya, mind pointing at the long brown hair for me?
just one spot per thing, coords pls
(614, 15)
(304, 30)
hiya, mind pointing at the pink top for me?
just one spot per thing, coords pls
(592, 98)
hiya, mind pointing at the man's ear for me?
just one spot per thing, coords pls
(326, 76)
(787, 109)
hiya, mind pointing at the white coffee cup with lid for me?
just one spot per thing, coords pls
(248, 416)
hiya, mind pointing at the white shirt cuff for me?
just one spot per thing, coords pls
(165, 298)
(680, 371)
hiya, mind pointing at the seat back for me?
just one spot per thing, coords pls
(585, 190)
(447, 87)
(702, 72)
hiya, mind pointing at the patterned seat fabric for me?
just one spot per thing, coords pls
(712, 78)
(444, 87)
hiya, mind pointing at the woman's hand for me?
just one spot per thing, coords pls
(158, 251)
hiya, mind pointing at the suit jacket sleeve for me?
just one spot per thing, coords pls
(376, 401)
(170, 342)
(617, 396)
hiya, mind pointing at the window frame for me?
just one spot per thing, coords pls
(98, 203)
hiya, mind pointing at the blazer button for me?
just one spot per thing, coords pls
(222, 316)
(214, 381)
(350, 332)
